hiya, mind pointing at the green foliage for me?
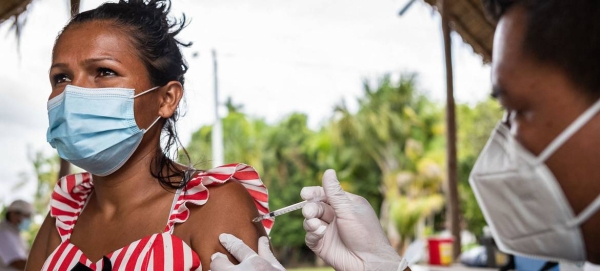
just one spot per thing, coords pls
(406, 212)
(45, 168)
(475, 124)
(387, 117)
(391, 149)
(288, 168)
(241, 138)
(356, 174)
(280, 152)
(399, 130)
(46, 172)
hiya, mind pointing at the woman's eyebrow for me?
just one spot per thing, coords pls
(87, 61)
(97, 59)
(57, 65)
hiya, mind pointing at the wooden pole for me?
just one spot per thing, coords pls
(453, 208)
(218, 154)
(74, 7)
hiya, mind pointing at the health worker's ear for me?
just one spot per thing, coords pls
(169, 97)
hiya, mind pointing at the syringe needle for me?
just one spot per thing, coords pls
(285, 210)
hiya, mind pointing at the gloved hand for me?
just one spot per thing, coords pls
(248, 259)
(344, 230)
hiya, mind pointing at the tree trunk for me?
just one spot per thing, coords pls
(385, 218)
(387, 223)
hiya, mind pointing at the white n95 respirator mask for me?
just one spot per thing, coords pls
(523, 203)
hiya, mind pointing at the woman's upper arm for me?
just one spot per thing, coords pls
(45, 242)
(230, 209)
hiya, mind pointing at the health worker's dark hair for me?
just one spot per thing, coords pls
(564, 33)
(152, 32)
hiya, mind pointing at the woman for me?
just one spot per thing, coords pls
(117, 77)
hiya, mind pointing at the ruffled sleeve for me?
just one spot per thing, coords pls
(67, 201)
(196, 191)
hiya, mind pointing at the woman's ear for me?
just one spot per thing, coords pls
(169, 97)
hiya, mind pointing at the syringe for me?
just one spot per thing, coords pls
(287, 209)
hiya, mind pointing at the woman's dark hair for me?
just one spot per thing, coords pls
(563, 33)
(152, 32)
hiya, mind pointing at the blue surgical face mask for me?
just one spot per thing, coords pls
(25, 224)
(95, 129)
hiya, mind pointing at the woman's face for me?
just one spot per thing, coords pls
(98, 55)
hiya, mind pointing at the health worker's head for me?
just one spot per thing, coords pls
(545, 71)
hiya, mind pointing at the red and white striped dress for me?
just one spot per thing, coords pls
(159, 251)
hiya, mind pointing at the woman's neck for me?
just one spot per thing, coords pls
(129, 187)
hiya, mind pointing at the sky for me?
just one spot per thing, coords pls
(274, 57)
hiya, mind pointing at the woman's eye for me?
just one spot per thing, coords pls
(106, 72)
(61, 78)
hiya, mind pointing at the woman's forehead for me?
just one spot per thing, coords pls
(92, 40)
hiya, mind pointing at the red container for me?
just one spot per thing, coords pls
(440, 250)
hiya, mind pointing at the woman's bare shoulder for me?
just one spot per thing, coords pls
(229, 209)
(46, 241)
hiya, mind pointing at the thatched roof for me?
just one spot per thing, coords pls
(10, 8)
(468, 19)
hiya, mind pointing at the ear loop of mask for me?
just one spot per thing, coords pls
(190, 171)
(149, 127)
(593, 207)
(568, 133)
(586, 213)
(559, 141)
(142, 93)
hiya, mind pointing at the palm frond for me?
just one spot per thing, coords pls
(14, 10)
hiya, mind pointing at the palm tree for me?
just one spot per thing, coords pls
(400, 130)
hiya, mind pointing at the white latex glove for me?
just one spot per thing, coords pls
(344, 230)
(248, 259)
